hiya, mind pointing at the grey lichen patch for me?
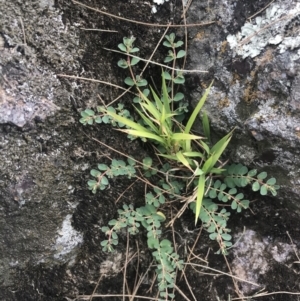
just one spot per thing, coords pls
(112, 265)
(19, 110)
(46, 3)
(268, 121)
(254, 256)
(249, 259)
(67, 241)
(267, 29)
(38, 176)
(295, 95)
(28, 87)
(246, 154)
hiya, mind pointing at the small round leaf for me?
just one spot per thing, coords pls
(271, 181)
(262, 175)
(123, 64)
(255, 186)
(102, 167)
(263, 190)
(180, 54)
(179, 96)
(122, 47)
(134, 61)
(89, 112)
(226, 236)
(128, 81)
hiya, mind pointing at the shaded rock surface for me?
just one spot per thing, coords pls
(50, 223)
(256, 69)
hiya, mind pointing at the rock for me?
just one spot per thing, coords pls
(254, 257)
(255, 66)
(50, 223)
(38, 144)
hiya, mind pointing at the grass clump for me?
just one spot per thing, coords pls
(187, 167)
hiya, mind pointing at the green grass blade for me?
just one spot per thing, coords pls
(208, 164)
(205, 124)
(217, 150)
(129, 123)
(184, 136)
(147, 121)
(197, 110)
(158, 102)
(150, 108)
(200, 194)
(163, 121)
(171, 157)
(217, 171)
(193, 154)
(166, 102)
(221, 142)
(145, 134)
(181, 158)
(205, 147)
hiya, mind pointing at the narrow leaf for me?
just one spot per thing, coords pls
(166, 99)
(193, 154)
(148, 121)
(207, 165)
(150, 107)
(205, 147)
(126, 121)
(200, 194)
(144, 134)
(195, 114)
(219, 148)
(198, 172)
(184, 136)
(183, 160)
(205, 124)
(217, 171)
(197, 110)
(171, 157)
